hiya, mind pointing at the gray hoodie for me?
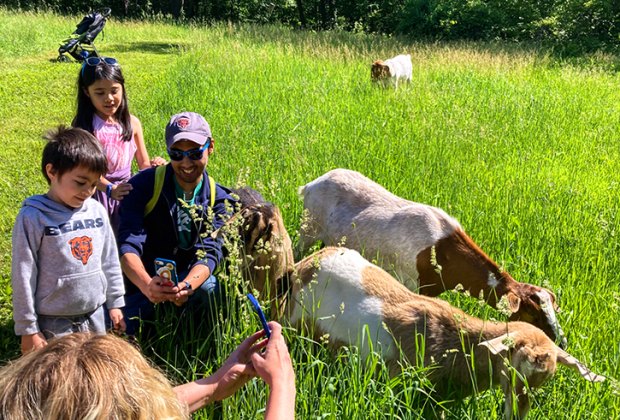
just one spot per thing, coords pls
(65, 262)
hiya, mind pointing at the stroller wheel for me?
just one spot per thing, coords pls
(62, 59)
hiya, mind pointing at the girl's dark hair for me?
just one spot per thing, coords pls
(85, 109)
(68, 148)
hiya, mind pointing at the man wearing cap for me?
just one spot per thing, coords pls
(161, 226)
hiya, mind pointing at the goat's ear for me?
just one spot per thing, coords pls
(514, 302)
(499, 344)
(570, 361)
(554, 300)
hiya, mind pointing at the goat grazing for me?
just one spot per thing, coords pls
(421, 245)
(392, 69)
(266, 249)
(337, 293)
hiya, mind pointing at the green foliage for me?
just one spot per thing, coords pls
(573, 26)
(589, 25)
(474, 19)
(522, 148)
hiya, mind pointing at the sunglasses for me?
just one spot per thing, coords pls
(193, 154)
(95, 61)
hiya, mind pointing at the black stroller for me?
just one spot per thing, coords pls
(80, 44)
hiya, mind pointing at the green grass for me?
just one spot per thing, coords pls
(522, 149)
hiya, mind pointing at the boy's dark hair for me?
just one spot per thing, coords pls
(85, 108)
(68, 148)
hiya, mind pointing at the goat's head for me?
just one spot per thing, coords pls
(537, 306)
(268, 250)
(379, 70)
(535, 357)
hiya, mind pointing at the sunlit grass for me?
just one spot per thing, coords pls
(522, 149)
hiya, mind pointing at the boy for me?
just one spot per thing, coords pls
(64, 260)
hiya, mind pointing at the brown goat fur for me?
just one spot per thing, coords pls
(266, 247)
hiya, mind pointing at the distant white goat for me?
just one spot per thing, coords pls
(392, 69)
(337, 293)
(421, 245)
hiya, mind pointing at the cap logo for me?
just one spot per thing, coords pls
(182, 122)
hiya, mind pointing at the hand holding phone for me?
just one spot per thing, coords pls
(167, 270)
(261, 314)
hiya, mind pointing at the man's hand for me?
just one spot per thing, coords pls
(158, 291)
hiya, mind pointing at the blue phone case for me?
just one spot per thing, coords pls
(260, 313)
(167, 269)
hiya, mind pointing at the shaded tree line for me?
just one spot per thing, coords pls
(581, 24)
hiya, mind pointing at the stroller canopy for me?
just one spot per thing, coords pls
(80, 44)
(93, 23)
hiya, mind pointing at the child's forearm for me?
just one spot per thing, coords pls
(102, 184)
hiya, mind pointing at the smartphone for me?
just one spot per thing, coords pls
(167, 270)
(261, 314)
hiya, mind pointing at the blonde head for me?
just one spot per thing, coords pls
(84, 376)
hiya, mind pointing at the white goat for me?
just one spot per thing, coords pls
(336, 292)
(421, 245)
(392, 70)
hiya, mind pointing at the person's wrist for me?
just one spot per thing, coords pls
(282, 383)
(108, 190)
(145, 287)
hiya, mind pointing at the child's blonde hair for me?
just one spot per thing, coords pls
(85, 376)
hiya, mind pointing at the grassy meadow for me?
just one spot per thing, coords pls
(521, 148)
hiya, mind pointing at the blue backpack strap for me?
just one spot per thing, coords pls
(160, 173)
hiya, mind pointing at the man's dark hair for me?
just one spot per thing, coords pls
(68, 148)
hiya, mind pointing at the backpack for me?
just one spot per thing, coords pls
(160, 173)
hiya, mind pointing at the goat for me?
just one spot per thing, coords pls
(337, 293)
(392, 69)
(421, 245)
(266, 249)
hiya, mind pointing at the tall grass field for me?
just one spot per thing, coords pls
(522, 149)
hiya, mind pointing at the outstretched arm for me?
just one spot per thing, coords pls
(273, 366)
(233, 374)
(276, 369)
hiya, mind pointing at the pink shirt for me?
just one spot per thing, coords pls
(119, 153)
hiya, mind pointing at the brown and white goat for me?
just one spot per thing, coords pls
(421, 245)
(392, 70)
(266, 250)
(338, 294)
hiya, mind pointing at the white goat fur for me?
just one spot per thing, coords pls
(337, 292)
(421, 245)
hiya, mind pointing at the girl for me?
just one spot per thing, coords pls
(103, 111)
